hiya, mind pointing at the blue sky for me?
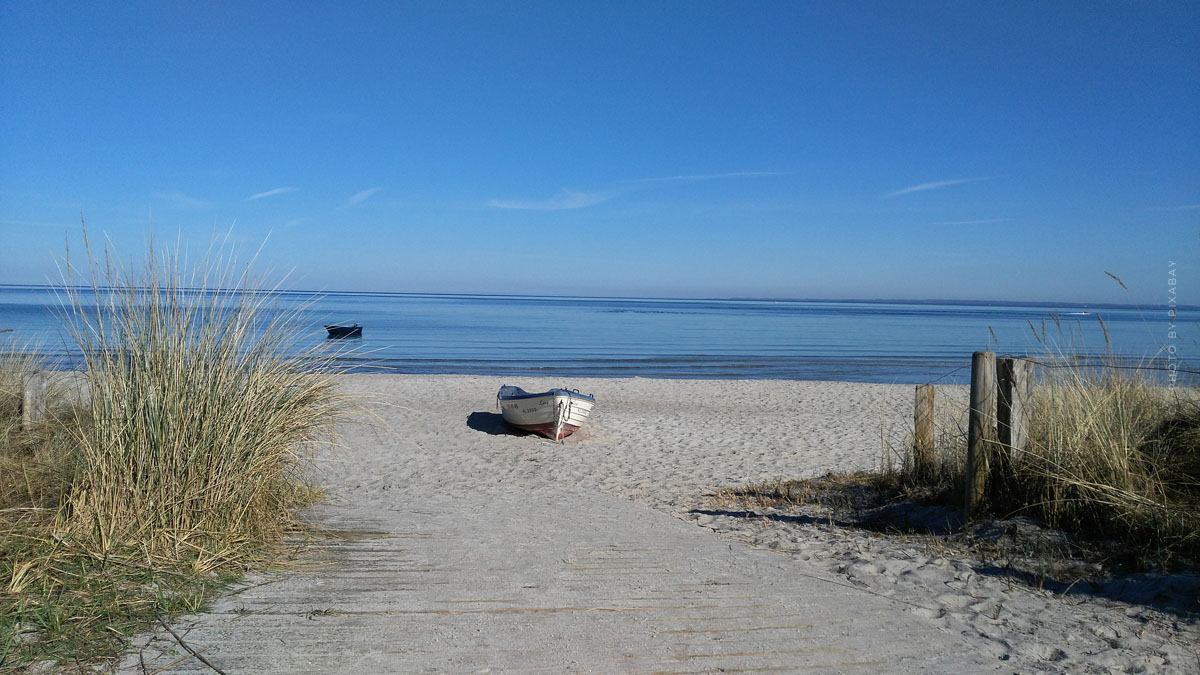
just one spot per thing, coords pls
(959, 150)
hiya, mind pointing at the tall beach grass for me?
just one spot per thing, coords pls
(180, 461)
(1113, 454)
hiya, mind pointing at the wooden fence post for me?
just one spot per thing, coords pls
(33, 403)
(981, 428)
(1014, 384)
(923, 457)
(1007, 403)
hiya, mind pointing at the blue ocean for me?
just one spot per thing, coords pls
(898, 342)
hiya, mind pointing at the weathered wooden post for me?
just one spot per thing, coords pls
(923, 457)
(981, 428)
(33, 400)
(1014, 385)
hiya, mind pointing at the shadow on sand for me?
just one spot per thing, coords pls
(1176, 593)
(492, 424)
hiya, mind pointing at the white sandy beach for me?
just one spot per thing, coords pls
(460, 546)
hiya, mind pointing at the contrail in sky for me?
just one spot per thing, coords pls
(362, 196)
(271, 193)
(577, 199)
(567, 199)
(933, 186)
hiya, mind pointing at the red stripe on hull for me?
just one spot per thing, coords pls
(547, 430)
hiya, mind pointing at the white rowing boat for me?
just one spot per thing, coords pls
(555, 414)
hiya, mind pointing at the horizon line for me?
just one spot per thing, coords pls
(857, 300)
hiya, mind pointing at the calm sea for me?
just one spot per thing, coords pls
(739, 339)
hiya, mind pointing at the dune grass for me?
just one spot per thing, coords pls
(176, 465)
(1113, 458)
(1113, 455)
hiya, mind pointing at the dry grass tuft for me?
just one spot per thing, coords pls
(201, 407)
(838, 492)
(183, 465)
(1113, 455)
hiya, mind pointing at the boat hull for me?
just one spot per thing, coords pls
(555, 414)
(344, 331)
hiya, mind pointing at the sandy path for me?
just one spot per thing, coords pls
(465, 548)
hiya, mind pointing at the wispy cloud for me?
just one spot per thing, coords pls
(985, 221)
(578, 199)
(1184, 207)
(186, 201)
(936, 185)
(567, 199)
(361, 197)
(710, 176)
(271, 193)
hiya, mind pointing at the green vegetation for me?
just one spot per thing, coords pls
(169, 466)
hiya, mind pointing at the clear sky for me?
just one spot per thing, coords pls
(960, 150)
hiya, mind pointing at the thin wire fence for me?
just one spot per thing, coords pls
(1107, 366)
(1087, 363)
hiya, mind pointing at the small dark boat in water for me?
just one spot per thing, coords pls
(351, 331)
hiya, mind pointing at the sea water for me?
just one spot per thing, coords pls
(903, 342)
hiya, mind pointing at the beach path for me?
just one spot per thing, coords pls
(453, 545)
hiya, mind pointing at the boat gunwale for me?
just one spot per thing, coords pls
(552, 392)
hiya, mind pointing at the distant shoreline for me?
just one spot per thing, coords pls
(751, 299)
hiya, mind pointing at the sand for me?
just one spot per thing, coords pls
(457, 545)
